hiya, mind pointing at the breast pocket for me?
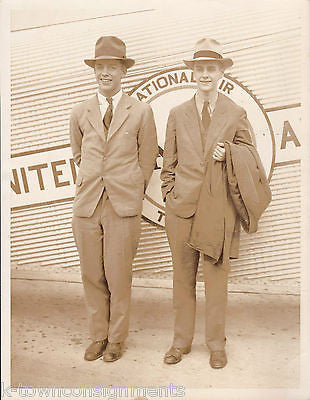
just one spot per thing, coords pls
(129, 141)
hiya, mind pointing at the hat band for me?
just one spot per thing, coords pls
(107, 56)
(207, 53)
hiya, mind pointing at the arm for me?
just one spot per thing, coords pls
(244, 134)
(148, 148)
(170, 157)
(244, 131)
(76, 137)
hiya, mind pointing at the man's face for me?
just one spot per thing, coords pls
(207, 75)
(108, 75)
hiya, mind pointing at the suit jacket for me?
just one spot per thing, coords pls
(185, 161)
(121, 164)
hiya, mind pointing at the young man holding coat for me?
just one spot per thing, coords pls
(200, 213)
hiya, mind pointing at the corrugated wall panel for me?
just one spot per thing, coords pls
(45, 86)
(43, 92)
(42, 235)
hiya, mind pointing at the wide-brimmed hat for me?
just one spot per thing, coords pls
(207, 49)
(110, 48)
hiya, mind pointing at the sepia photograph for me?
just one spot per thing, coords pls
(155, 212)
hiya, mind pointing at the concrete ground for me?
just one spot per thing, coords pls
(49, 335)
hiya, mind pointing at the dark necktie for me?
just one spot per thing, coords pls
(205, 122)
(108, 114)
(205, 115)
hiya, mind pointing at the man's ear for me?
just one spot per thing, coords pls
(124, 68)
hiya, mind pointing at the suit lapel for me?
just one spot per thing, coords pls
(217, 125)
(192, 125)
(120, 115)
(94, 116)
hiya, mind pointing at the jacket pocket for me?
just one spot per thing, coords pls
(79, 180)
(174, 193)
(137, 177)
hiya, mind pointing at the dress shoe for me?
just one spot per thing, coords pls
(174, 354)
(95, 350)
(113, 352)
(218, 359)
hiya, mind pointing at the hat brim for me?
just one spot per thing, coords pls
(129, 62)
(226, 62)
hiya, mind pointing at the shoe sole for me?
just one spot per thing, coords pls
(93, 359)
(115, 359)
(218, 367)
(171, 363)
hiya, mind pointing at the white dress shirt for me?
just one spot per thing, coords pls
(200, 101)
(103, 103)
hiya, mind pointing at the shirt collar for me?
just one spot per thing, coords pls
(116, 98)
(212, 102)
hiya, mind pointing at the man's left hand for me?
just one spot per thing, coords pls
(219, 152)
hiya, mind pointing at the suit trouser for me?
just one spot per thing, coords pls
(107, 244)
(185, 265)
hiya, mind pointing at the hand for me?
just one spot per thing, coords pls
(219, 152)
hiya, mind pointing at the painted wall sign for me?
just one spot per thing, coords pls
(42, 176)
(49, 175)
(286, 125)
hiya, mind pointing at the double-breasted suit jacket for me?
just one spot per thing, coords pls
(122, 163)
(185, 159)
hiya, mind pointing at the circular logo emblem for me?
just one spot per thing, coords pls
(172, 87)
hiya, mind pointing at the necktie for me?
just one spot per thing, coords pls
(205, 115)
(205, 122)
(108, 114)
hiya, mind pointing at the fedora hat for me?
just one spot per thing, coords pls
(110, 48)
(207, 49)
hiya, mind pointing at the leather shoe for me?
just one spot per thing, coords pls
(174, 354)
(218, 359)
(95, 350)
(113, 352)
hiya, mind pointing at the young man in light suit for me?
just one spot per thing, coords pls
(194, 149)
(114, 143)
